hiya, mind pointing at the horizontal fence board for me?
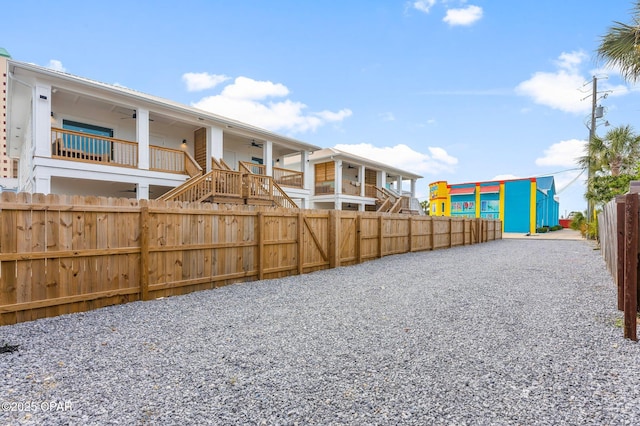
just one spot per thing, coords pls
(64, 254)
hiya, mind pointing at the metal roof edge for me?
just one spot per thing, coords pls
(166, 103)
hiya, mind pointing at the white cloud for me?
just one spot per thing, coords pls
(197, 81)
(466, 16)
(246, 100)
(330, 116)
(403, 157)
(247, 88)
(563, 154)
(424, 5)
(565, 89)
(387, 116)
(56, 65)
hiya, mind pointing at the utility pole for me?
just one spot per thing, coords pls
(592, 134)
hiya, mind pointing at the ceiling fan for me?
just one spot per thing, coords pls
(133, 116)
(255, 144)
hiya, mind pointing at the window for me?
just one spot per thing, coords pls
(87, 144)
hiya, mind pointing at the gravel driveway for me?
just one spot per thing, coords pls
(508, 332)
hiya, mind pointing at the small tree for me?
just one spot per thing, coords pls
(425, 206)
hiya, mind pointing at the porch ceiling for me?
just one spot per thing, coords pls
(114, 110)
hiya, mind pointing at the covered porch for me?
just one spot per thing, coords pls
(64, 129)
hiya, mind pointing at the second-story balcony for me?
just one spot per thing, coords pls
(83, 147)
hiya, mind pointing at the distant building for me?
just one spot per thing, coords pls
(523, 205)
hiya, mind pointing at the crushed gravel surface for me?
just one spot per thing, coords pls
(509, 332)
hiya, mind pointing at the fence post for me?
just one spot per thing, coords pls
(433, 232)
(260, 245)
(334, 235)
(630, 267)
(410, 234)
(300, 243)
(144, 250)
(620, 201)
(380, 236)
(450, 232)
(359, 238)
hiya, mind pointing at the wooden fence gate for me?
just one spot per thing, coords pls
(61, 254)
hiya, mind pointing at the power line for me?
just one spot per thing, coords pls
(561, 171)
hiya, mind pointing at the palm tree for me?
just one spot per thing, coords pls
(618, 152)
(620, 47)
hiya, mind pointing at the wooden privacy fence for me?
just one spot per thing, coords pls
(62, 254)
(618, 230)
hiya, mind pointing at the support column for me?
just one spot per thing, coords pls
(361, 181)
(42, 185)
(42, 121)
(532, 207)
(142, 136)
(478, 200)
(382, 179)
(399, 184)
(142, 191)
(502, 203)
(413, 188)
(214, 145)
(267, 155)
(338, 185)
(305, 169)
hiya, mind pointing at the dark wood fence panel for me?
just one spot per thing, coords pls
(62, 254)
(619, 242)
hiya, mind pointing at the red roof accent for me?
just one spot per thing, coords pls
(462, 191)
(489, 189)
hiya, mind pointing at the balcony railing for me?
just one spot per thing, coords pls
(283, 177)
(256, 169)
(289, 178)
(77, 146)
(351, 187)
(172, 160)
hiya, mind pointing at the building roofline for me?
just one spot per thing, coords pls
(205, 116)
(333, 152)
(531, 178)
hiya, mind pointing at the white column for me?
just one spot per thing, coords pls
(142, 191)
(42, 185)
(399, 185)
(361, 181)
(305, 169)
(338, 185)
(42, 121)
(142, 136)
(215, 145)
(382, 179)
(413, 188)
(267, 157)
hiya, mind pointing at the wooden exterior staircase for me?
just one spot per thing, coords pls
(223, 185)
(390, 202)
(263, 187)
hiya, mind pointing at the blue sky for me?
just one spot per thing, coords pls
(453, 90)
